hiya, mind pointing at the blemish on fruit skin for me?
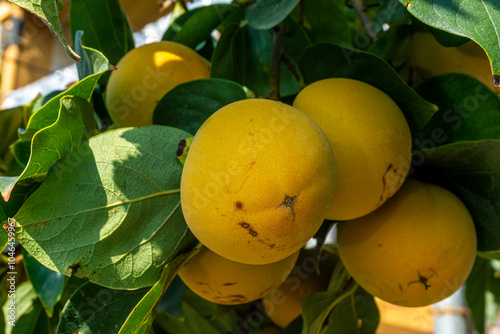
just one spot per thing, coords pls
(228, 284)
(247, 225)
(423, 279)
(288, 203)
(238, 205)
(400, 287)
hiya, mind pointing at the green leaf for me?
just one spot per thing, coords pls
(10, 120)
(357, 313)
(489, 255)
(195, 26)
(22, 309)
(188, 105)
(316, 308)
(137, 320)
(475, 289)
(171, 301)
(468, 110)
(93, 61)
(202, 317)
(327, 60)
(325, 21)
(47, 283)
(477, 20)
(265, 14)
(48, 114)
(52, 142)
(471, 169)
(110, 211)
(96, 309)
(48, 12)
(10, 208)
(244, 55)
(105, 25)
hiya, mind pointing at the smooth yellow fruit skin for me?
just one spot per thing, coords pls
(415, 250)
(258, 179)
(223, 281)
(144, 75)
(283, 304)
(370, 138)
(430, 59)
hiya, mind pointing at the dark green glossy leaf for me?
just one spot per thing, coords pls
(105, 26)
(265, 14)
(478, 20)
(195, 26)
(325, 21)
(475, 293)
(96, 309)
(318, 307)
(47, 283)
(93, 61)
(357, 313)
(53, 142)
(110, 211)
(471, 169)
(468, 110)
(326, 60)
(188, 105)
(48, 12)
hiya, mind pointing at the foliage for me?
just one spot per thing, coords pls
(96, 211)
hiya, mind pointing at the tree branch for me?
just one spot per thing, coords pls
(365, 21)
(279, 34)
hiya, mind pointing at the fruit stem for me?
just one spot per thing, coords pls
(279, 34)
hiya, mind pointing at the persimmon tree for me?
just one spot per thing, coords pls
(93, 231)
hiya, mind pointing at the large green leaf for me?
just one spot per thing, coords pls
(96, 309)
(47, 283)
(265, 14)
(47, 11)
(188, 105)
(105, 26)
(327, 60)
(468, 110)
(471, 169)
(53, 142)
(110, 211)
(478, 20)
(195, 26)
